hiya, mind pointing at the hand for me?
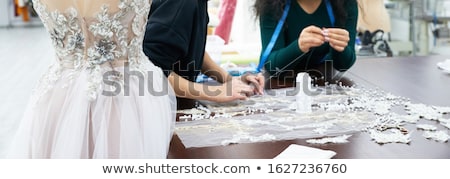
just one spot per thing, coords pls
(310, 37)
(338, 38)
(256, 81)
(232, 90)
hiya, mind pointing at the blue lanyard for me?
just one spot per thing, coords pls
(332, 20)
(330, 12)
(277, 31)
(274, 38)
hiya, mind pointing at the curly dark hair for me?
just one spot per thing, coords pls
(276, 6)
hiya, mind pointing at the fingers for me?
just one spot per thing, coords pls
(241, 94)
(231, 91)
(253, 81)
(338, 45)
(313, 29)
(256, 82)
(261, 80)
(313, 41)
(337, 38)
(336, 34)
(243, 88)
(337, 31)
(241, 97)
(311, 36)
(238, 86)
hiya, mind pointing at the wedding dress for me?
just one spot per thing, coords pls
(102, 98)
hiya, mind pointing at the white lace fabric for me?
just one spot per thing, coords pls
(68, 115)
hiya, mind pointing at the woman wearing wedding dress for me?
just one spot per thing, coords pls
(102, 98)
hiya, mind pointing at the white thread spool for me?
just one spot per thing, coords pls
(304, 102)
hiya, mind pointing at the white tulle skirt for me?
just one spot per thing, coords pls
(64, 123)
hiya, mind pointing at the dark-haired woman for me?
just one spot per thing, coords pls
(314, 32)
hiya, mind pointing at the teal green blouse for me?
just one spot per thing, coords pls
(286, 48)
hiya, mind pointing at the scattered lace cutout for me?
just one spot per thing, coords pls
(267, 114)
(335, 140)
(426, 127)
(440, 136)
(335, 111)
(390, 136)
(240, 137)
(424, 111)
(192, 111)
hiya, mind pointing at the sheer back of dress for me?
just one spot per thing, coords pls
(88, 33)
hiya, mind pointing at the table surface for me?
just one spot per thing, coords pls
(417, 78)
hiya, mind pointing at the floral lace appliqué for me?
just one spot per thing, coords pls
(88, 43)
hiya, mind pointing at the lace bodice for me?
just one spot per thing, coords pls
(93, 35)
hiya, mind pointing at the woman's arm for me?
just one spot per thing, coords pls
(229, 91)
(211, 69)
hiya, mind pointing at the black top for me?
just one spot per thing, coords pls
(175, 37)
